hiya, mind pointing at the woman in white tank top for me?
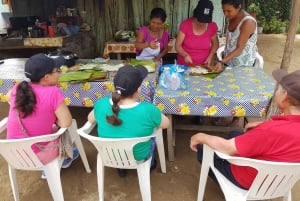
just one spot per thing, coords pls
(241, 36)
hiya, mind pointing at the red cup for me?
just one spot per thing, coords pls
(51, 31)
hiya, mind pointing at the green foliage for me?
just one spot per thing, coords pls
(275, 25)
(298, 30)
(254, 8)
(274, 15)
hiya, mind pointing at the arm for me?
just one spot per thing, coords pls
(139, 42)
(178, 47)
(223, 145)
(63, 115)
(164, 121)
(213, 49)
(247, 28)
(162, 53)
(8, 96)
(91, 117)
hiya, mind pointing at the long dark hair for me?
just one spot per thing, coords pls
(25, 99)
(113, 119)
(158, 13)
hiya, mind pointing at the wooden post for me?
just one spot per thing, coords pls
(288, 49)
(290, 40)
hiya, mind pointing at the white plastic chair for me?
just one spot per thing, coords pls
(274, 179)
(259, 60)
(118, 153)
(19, 156)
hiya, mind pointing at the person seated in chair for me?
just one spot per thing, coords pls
(121, 116)
(273, 140)
(37, 107)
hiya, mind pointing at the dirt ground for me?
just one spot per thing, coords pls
(179, 184)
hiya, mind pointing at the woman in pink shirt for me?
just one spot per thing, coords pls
(37, 104)
(197, 41)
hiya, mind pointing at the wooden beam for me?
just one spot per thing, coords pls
(288, 49)
(290, 40)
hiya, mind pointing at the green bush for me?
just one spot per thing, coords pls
(275, 25)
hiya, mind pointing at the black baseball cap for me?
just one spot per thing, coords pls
(129, 78)
(204, 11)
(39, 65)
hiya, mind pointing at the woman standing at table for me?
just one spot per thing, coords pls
(116, 116)
(241, 36)
(152, 40)
(197, 40)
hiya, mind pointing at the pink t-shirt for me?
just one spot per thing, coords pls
(275, 140)
(42, 119)
(197, 46)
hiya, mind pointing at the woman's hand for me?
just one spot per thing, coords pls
(218, 68)
(154, 44)
(188, 59)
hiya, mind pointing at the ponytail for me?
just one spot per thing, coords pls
(25, 99)
(113, 119)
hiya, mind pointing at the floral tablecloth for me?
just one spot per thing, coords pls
(235, 92)
(79, 94)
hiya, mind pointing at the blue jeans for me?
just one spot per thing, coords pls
(222, 165)
(152, 151)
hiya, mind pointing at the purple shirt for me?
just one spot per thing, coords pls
(164, 40)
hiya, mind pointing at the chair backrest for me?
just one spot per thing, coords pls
(18, 152)
(274, 179)
(259, 60)
(114, 152)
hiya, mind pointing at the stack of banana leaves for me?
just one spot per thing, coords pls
(84, 75)
(149, 64)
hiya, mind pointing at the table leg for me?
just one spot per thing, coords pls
(170, 139)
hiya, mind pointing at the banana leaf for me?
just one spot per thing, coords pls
(149, 64)
(74, 76)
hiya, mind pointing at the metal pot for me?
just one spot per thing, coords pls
(69, 56)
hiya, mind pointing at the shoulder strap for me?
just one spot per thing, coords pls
(247, 17)
(21, 125)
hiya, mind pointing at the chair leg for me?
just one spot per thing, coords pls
(161, 150)
(52, 172)
(13, 182)
(143, 171)
(76, 138)
(100, 177)
(208, 157)
(288, 197)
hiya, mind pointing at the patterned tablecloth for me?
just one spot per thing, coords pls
(129, 47)
(235, 92)
(80, 94)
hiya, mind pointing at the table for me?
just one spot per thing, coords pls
(236, 92)
(128, 47)
(82, 94)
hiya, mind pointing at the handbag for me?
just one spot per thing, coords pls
(65, 145)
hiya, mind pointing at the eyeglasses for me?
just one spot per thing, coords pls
(58, 70)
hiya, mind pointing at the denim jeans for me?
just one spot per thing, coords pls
(222, 165)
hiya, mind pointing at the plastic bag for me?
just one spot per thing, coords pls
(171, 79)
